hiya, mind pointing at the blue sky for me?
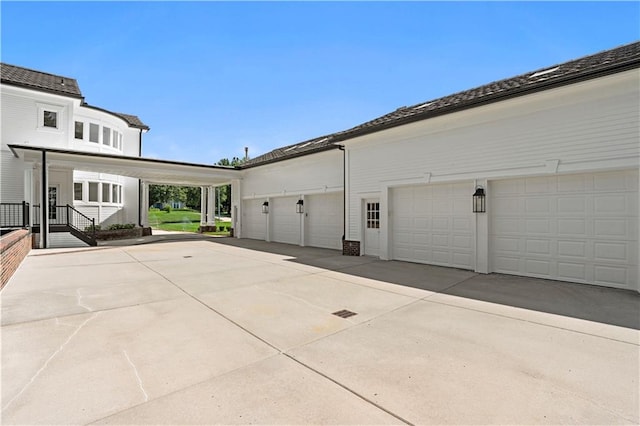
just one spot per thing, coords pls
(210, 78)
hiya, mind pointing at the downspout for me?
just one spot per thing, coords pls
(344, 191)
(140, 181)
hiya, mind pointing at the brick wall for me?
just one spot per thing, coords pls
(350, 248)
(14, 246)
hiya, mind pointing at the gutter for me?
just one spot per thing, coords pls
(509, 94)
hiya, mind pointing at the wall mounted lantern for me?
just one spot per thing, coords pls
(300, 206)
(265, 207)
(479, 205)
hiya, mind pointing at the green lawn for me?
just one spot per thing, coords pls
(185, 220)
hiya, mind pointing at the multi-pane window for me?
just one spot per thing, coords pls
(93, 191)
(77, 191)
(50, 119)
(94, 132)
(373, 215)
(79, 130)
(106, 136)
(114, 194)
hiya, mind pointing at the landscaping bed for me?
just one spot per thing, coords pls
(122, 234)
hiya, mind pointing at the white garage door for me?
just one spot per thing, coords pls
(433, 224)
(285, 222)
(324, 220)
(254, 222)
(581, 228)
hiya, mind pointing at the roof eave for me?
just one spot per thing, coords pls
(514, 93)
(41, 89)
(289, 157)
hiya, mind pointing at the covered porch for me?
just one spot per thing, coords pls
(41, 163)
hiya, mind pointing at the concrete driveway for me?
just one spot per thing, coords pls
(225, 331)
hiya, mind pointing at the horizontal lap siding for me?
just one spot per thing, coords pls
(581, 124)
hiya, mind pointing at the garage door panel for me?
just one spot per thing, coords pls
(609, 275)
(581, 228)
(254, 222)
(285, 222)
(433, 224)
(571, 271)
(324, 220)
(572, 248)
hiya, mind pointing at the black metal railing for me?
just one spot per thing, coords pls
(14, 215)
(69, 217)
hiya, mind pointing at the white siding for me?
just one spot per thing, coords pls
(586, 126)
(11, 178)
(317, 173)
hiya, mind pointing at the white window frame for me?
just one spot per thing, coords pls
(97, 200)
(60, 117)
(74, 191)
(99, 131)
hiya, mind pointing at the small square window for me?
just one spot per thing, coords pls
(79, 130)
(94, 132)
(77, 191)
(50, 119)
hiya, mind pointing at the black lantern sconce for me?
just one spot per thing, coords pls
(479, 203)
(300, 206)
(265, 207)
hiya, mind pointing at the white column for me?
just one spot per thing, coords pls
(44, 207)
(203, 206)
(236, 208)
(144, 206)
(28, 191)
(211, 208)
(482, 230)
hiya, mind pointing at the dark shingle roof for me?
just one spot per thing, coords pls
(603, 63)
(132, 120)
(37, 80)
(57, 84)
(311, 146)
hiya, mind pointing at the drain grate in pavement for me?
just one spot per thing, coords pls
(344, 313)
(186, 257)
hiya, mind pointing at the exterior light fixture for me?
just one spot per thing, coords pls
(300, 206)
(265, 207)
(479, 205)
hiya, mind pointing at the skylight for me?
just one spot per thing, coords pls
(539, 73)
(423, 105)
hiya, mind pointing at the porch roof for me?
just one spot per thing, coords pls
(148, 169)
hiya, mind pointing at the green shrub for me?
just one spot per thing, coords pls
(117, 226)
(167, 208)
(91, 228)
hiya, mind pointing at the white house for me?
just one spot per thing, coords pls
(552, 157)
(555, 151)
(49, 111)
